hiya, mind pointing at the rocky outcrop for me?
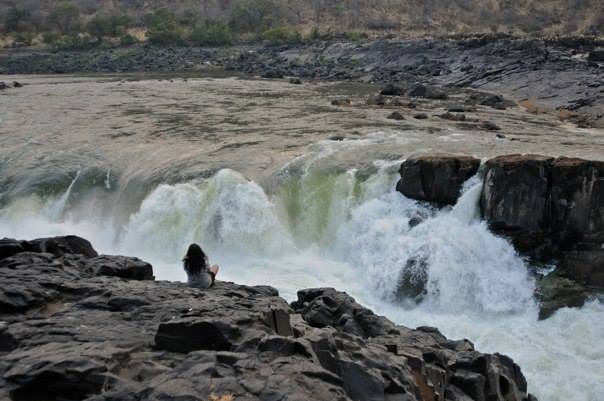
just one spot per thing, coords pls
(77, 332)
(437, 178)
(546, 206)
(515, 200)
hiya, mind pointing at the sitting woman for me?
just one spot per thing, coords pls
(199, 272)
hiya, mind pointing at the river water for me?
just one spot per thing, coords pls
(282, 189)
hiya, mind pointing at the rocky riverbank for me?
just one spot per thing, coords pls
(566, 75)
(78, 326)
(551, 209)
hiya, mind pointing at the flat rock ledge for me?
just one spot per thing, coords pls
(78, 326)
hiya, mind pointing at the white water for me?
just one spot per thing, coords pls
(322, 229)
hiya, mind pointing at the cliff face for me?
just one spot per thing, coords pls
(78, 326)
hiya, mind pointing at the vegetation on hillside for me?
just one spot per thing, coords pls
(88, 23)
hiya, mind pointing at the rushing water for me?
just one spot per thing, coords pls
(349, 229)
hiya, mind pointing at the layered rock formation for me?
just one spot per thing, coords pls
(551, 209)
(77, 326)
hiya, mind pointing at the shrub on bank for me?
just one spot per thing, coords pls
(211, 34)
(164, 29)
(128, 40)
(281, 35)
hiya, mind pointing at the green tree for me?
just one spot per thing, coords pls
(99, 27)
(15, 19)
(212, 34)
(65, 17)
(256, 15)
(163, 28)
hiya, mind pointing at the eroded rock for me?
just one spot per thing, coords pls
(437, 178)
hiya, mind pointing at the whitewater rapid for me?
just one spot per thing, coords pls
(349, 229)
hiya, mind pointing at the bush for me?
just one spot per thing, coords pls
(16, 18)
(128, 40)
(74, 42)
(256, 15)
(163, 29)
(101, 26)
(212, 34)
(281, 35)
(23, 39)
(65, 17)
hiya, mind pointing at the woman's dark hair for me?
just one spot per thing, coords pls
(195, 260)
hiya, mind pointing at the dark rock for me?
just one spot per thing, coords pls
(392, 90)
(487, 99)
(555, 292)
(413, 280)
(437, 178)
(585, 267)
(192, 334)
(596, 56)
(376, 101)
(10, 247)
(461, 109)
(3, 86)
(59, 246)
(17, 85)
(490, 126)
(322, 307)
(341, 102)
(577, 201)
(395, 115)
(453, 117)
(77, 335)
(120, 266)
(295, 81)
(427, 92)
(420, 116)
(515, 201)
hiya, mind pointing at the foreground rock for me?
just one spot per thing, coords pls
(72, 330)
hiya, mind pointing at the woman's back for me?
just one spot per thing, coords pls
(199, 272)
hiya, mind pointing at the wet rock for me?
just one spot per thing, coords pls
(120, 266)
(413, 280)
(577, 202)
(555, 292)
(515, 201)
(295, 81)
(436, 178)
(17, 84)
(395, 115)
(376, 101)
(341, 102)
(420, 116)
(586, 267)
(3, 86)
(392, 90)
(427, 92)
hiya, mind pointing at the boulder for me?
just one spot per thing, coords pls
(596, 56)
(436, 178)
(192, 334)
(341, 102)
(427, 92)
(59, 246)
(396, 115)
(392, 90)
(420, 116)
(322, 307)
(120, 266)
(490, 100)
(515, 201)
